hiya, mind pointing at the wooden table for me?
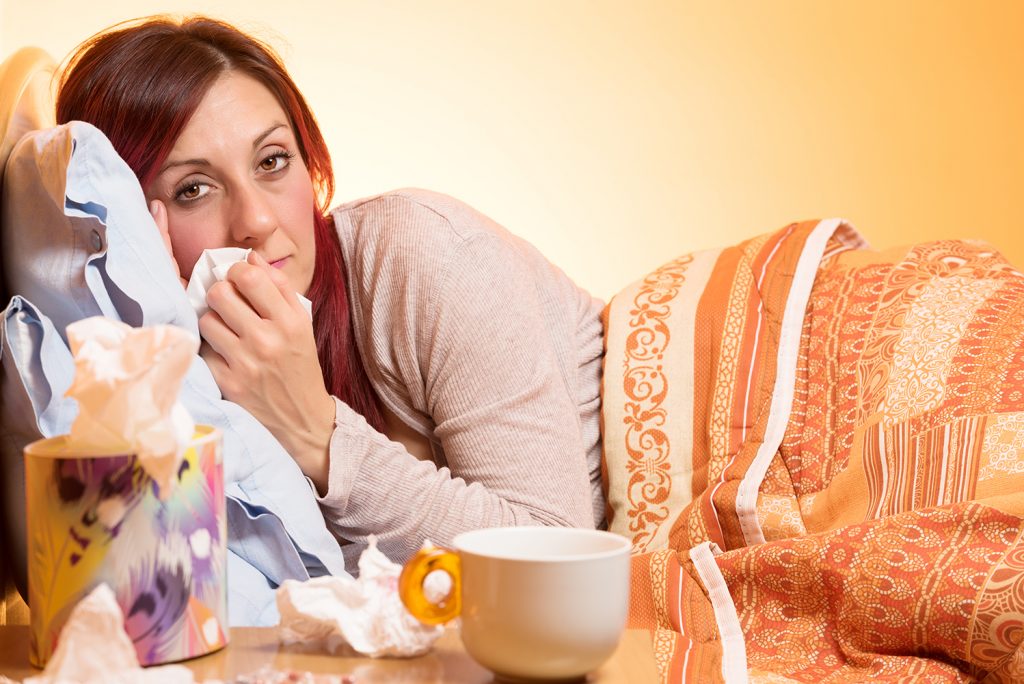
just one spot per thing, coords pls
(252, 648)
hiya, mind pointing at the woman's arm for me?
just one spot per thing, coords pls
(504, 412)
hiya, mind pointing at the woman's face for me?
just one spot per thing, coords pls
(235, 178)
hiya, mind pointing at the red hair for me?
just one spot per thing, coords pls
(140, 83)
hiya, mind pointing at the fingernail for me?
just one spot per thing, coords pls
(257, 259)
(153, 207)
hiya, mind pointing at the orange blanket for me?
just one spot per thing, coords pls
(818, 451)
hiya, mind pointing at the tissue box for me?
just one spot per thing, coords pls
(96, 518)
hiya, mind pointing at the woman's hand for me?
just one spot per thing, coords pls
(261, 350)
(159, 213)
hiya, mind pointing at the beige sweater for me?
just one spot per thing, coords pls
(476, 341)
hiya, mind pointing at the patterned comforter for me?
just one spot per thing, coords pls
(818, 452)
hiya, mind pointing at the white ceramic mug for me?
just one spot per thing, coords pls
(535, 602)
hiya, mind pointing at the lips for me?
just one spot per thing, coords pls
(279, 263)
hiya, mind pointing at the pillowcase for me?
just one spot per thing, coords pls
(77, 236)
(77, 240)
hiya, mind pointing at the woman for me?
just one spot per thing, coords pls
(450, 378)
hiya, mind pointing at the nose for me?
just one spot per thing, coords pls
(252, 215)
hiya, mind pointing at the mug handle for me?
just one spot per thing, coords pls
(410, 586)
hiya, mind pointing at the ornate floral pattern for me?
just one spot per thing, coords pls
(929, 336)
(645, 385)
(1003, 444)
(894, 508)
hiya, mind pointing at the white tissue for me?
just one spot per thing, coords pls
(212, 266)
(126, 384)
(94, 649)
(365, 613)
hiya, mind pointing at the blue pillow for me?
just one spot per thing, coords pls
(77, 240)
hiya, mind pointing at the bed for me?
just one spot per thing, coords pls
(816, 449)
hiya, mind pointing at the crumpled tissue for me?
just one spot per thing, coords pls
(95, 649)
(126, 385)
(212, 266)
(366, 613)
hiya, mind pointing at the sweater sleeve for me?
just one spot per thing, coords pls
(503, 413)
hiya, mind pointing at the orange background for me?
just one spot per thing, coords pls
(615, 135)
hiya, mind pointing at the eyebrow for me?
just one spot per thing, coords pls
(257, 141)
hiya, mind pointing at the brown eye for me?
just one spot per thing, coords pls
(191, 191)
(274, 162)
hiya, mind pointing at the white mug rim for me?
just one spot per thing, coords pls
(463, 543)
